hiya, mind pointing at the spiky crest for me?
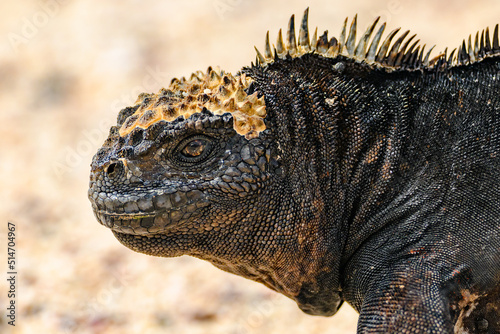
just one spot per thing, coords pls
(397, 56)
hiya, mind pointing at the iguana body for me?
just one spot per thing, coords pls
(328, 171)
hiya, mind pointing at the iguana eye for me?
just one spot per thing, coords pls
(194, 149)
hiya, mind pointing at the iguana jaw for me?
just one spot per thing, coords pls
(151, 213)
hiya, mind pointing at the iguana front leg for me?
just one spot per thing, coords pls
(408, 299)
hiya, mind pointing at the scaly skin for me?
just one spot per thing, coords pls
(327, 179)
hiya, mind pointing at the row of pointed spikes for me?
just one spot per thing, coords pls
(401, 55)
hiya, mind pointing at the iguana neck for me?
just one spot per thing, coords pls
(341, 126)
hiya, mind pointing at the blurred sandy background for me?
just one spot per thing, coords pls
(66, 69)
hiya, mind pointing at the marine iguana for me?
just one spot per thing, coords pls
(329, 170)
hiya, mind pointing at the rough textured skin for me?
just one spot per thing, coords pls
(376, 180)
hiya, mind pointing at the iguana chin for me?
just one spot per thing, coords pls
(330, 170)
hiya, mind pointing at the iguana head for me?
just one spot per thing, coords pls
(177, 153)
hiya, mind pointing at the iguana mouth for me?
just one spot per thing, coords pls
(139, 224)
(154, 213)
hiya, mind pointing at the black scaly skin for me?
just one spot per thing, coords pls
(374, 187)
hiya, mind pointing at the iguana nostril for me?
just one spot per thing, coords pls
(111, 169)
(114, 169)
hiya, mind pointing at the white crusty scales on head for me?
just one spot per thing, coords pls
(331, 170)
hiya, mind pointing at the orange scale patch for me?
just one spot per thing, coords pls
(216, 90)
(148, 117)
